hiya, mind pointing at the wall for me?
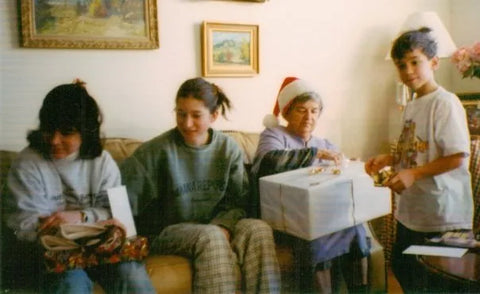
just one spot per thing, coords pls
(465, 32)
(339, 46)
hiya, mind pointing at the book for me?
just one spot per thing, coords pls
(56, 243)
(76, 231)
(73, 236)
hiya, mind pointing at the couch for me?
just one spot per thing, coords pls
(173, 274)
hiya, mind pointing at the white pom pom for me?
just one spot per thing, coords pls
(270, 121)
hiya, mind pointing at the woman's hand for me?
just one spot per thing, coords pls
(374, 164)
(59, 217)
(330, 155)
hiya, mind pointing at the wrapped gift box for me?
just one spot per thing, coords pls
(310, 205)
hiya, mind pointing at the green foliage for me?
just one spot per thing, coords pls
(43, 15)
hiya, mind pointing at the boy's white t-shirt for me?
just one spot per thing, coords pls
(435, 125)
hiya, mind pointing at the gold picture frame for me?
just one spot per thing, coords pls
(229, 49)
(471, 103)
(89, 24)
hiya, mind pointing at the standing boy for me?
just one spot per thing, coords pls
(432, 184)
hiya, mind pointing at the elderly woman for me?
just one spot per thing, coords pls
(291, 147)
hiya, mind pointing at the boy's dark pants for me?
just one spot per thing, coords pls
(411, 275)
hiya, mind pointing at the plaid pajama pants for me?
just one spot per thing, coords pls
(216, 262)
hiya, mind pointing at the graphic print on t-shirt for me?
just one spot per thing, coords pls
(408, 146)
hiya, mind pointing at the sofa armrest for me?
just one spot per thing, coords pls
(6, 159)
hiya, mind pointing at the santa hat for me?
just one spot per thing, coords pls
(291, 88)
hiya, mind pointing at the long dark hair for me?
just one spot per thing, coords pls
(69, 108)
(212, 96)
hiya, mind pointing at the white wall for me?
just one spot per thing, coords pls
(339, 46)
(465, 32)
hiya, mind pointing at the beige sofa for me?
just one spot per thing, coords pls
(172, 274)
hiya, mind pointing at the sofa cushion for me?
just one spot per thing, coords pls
(248, 143)
(169, 273)
(6, 158)
(120, 148)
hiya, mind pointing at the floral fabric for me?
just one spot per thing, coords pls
(107, 248)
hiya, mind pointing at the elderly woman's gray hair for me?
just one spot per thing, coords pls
(302, 98)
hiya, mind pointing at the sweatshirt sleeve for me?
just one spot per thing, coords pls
(108, 176)
(232, 207)
(25, 200)
(273, 157)
(137, 176)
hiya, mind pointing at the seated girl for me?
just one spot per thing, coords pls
(62, 177)
(188, 190)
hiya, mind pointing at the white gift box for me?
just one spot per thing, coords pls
(310, 205)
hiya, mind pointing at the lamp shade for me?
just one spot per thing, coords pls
(430, 19)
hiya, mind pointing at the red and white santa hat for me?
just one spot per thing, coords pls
(291, 88)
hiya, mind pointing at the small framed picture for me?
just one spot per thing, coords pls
(229, 50)
(471, 102)
(86, 24)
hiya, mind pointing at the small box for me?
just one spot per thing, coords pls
(315, 201)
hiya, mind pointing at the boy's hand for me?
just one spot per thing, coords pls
(374, 164)
(401, 181)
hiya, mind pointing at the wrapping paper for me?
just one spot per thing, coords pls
(315, 201)
(91, 248)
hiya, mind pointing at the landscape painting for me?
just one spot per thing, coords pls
(89, 23)
(229, 49)
(471, 103)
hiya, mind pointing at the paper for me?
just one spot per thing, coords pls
(121, 209)
(435, 251)
(313, 202)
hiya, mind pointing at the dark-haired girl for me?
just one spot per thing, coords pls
(62, 177)
(188, 190)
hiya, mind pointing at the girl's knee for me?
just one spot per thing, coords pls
(254, 227)
(212, 234)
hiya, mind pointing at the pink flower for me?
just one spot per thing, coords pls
(467, 60)
(461, 59)
(475, 52)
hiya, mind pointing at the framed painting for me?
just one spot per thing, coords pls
(89, 24)
(229, 50)
(471, 102)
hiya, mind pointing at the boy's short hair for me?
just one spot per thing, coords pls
(415, 39)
